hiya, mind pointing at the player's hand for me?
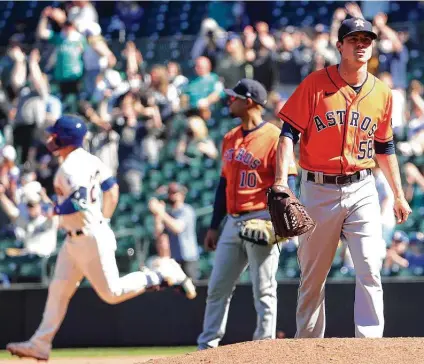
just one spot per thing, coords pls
(282, 183)
(211, 240)
(402, 210)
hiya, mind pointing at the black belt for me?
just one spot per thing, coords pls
(342, 179)
(238, 214)
(76, 232)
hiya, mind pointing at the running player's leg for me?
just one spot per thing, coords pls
(230, 261)
(63, 286)
(98, 263)
(263, 265)
(315, 254)
(363, 234)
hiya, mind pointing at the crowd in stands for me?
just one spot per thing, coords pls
(156, 122)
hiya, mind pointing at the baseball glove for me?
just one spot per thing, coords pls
(289, 217)
(259, 231)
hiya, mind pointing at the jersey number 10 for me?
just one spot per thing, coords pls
(247, 179)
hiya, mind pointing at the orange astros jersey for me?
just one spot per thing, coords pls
(338, 126)
(249, 167)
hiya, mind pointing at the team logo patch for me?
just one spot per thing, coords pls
(359, 23)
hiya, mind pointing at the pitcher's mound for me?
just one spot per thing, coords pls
(309, 351)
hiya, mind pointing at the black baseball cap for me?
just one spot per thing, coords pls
(247, 88)
(355, 25)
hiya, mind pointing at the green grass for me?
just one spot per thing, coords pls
(103, 352)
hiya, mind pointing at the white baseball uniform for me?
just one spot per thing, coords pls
(89, 249)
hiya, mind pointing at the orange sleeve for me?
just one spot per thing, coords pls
(298, 108)
(273, 155)
(384, 132)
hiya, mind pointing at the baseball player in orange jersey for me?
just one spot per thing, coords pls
(344, 115)
(248, 153)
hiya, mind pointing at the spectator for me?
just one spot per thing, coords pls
(163, 252)
(264, 38)
(393, 55)
(97, 56)
(210, 42)
(109, 87)
(130, 148)
(264, 68)
(415, 183)
(231, 67)
(204, 91)
(13, 68)
(289, 63)
(249, 37)
(195, 143)
(36, 109)
(165, 94)
(37, 231)
(9, 171)
(175, 77)
(414, 145)
(399, 103)
(70, 45)
(321, 52)
(395, 258)
(179, 224)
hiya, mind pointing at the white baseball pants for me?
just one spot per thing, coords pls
(351, 213)
(92, 256)
(231, 258)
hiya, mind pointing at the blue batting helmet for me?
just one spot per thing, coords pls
(68, 130)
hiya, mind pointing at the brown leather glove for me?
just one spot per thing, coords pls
(289, 217)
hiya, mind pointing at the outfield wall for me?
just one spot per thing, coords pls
(167, 318)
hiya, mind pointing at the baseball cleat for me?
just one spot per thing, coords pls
(174, 276)
(27, 349)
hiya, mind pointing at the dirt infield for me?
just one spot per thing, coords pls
(309, 351)
(287, 351)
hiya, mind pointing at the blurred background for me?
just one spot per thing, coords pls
(148, 77)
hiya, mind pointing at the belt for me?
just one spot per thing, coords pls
(238, 214)
(78, 232)
(75, 233)
(341, 179)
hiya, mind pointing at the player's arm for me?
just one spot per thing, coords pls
(75, 202)
(296, 115)
(220, 204)
(284, 156)
(110, 198)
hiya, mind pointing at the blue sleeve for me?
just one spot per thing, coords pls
(74, 203)
(290, 132)
(220, 204)
(384, 148)
(107, 184)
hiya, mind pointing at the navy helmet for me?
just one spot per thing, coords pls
(68, 130)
